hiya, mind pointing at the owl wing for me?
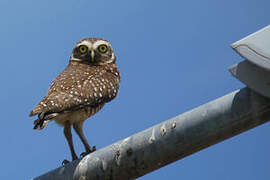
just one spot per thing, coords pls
(77, 87)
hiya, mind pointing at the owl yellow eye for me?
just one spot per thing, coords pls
(102, 48)
(83, 49)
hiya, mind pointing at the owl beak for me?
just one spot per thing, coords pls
(92, 54)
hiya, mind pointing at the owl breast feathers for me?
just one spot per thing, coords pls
(80, 86)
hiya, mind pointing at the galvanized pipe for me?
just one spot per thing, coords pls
(170, 140)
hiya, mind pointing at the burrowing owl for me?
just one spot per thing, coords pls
(90, 80)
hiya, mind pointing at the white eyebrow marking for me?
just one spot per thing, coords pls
(99, 42)
(86, 43)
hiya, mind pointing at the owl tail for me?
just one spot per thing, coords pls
(43, 120)
(40, 124)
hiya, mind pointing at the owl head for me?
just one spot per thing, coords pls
(94, 51)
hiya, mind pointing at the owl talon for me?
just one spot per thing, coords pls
(93, 149)
(83, 154)
(65, 162)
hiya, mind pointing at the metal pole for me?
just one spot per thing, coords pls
(170, 140)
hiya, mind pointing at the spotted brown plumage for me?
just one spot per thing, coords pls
(78, 86)
(90, 80)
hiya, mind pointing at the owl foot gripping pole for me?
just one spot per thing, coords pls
(189, 132)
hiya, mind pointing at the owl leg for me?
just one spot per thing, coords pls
(68, 135)
(78, 128)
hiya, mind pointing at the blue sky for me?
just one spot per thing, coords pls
(173, 56)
